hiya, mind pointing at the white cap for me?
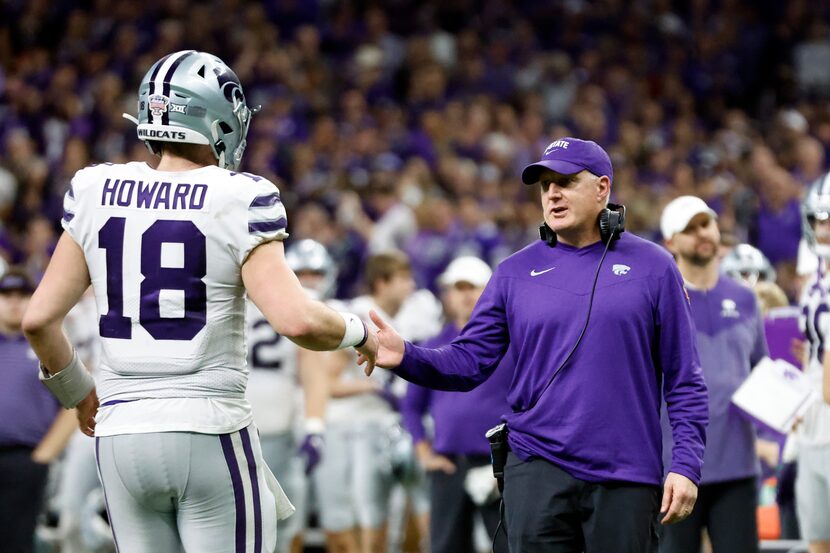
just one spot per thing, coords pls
(466, 269)
(677, 214)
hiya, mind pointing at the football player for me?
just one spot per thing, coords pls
(287, 389)
(355, 477)
(812, 489)
(171, 251)
(747, 264)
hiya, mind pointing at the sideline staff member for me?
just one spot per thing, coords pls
(730, 338)
(585, 467)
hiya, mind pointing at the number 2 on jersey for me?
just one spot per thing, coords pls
(187, 279)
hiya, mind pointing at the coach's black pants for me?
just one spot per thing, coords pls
(22, 483)
(548, 510)
(727, 510)
(452, 510)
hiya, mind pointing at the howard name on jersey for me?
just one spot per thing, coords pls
(164, 252)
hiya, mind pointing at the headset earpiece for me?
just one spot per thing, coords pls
(611, 222)
(611, 225)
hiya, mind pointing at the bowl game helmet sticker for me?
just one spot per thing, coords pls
(158, 104)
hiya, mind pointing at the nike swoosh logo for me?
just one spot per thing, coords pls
(534, 272)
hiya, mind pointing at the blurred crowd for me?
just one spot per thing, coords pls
(404, 124)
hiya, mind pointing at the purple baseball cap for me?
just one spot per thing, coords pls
(17, 279)
(568, 156)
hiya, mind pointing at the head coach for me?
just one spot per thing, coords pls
(601, 327)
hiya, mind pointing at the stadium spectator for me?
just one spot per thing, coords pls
(730, 340)
(342, 84)
(560, 484)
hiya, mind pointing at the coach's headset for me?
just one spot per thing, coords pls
(611, 222)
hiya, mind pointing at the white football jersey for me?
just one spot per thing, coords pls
(164, 251)
(419, 318)
(273, 384)
(815, 323)
(81, 326)
(275, 390)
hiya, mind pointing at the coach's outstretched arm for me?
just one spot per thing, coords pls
(276, 291)
(462, 364)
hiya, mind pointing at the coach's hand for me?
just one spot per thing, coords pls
(86, 411)
(679, 496)
(390, 352)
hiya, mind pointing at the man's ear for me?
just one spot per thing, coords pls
(603, 188)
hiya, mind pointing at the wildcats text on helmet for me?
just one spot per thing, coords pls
(161, 135)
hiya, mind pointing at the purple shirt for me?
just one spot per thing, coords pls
(600, 419)
(461, 418)
(730, 340)
(26, 406)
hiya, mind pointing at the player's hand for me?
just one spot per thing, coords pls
(432, 461)
(368, 352)
(86, 411)
(311, 450)
(438, 463)
(768, 451)
(391, 345)
(679, 497)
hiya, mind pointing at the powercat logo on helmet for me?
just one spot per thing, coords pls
(169, 135)
(158, 104)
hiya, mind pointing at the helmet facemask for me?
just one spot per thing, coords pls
(747, 264)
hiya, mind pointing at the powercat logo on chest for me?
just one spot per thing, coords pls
(620, 270)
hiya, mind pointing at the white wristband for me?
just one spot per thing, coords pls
(71, 385)
(356, 331)
(314, 425)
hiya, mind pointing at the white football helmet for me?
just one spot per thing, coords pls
(194, 97)
(816, 207)
(747, 264)
(312, 256)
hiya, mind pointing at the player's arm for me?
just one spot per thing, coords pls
(63, 373)
(314, 376)
(66, 279)
(277, 292)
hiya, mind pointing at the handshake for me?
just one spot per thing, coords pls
(383, 346)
